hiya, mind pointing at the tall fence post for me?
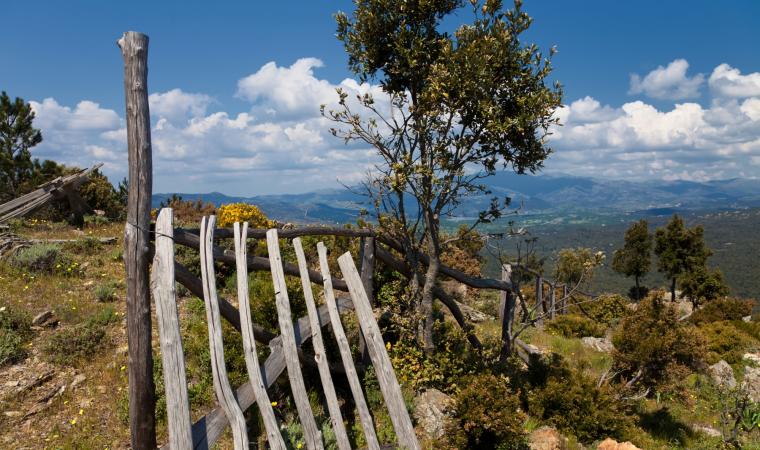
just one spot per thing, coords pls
(142, 426)
(367, 264)
(507, 306)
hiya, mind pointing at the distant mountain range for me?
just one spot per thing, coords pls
(534, 194)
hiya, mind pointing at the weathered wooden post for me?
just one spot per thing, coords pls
(552, 300)
(539, 298)
(134, 49)
(367, 264)
(507, 306)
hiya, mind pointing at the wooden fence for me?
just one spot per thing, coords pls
(286, 351)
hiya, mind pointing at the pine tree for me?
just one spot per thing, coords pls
(679, 250)
(635, 258)
(17, 136)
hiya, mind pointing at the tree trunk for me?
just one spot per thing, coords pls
(134, 48)
(506, 314)
(431, 276)
(637, 297)
(673, 290)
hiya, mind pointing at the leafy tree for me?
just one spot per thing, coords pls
(17, 136)
(634, 259)
(459, 106)
(702, 284)
(575, 267)
(679, 250)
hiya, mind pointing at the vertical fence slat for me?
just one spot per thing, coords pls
(552, 300)
(311, 433)
(224, 394)
(164, 293)
(386, 377)
(319, 351)
(507, 306)
(539, 298)
(142, 402)
(345, 352)
(249, 343)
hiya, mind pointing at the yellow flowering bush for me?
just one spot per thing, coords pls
(226, 215)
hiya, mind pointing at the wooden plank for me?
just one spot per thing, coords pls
(311, 433)
(345, 352)
(508, 304)
(222, 387)
(367, 258)
(386, 377)
(320, 355)
(254, 262)
(552, 300)
(249, 342)
(208, 429)
(175, 381)
(134, 49)
(539, 299)
(368, 267)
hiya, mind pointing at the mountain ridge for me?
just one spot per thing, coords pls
(531, 193)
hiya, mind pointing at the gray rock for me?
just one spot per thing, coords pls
(431, 409)
(710, 431)
(78, 379)
(722, 374)
(752, 358)
(747, 318)
(751, 383)
(546, 438)
(41, 318)
(599, 344)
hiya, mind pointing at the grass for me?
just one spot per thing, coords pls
(73, 299)
(15, 331)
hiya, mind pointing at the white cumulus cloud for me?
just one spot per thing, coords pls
(177, 106)
(669, 82)
(280, 143)
(727, 81)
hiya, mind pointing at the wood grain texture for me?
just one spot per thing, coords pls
(172, 357)
(312, 435)
(320, 355)
(507, 305)
(249, 342)
(386, 377)
(345, 352)
(254, 262)
(134, 49)
(222, 388)
(209, 428)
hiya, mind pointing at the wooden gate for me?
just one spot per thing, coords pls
(285, 347)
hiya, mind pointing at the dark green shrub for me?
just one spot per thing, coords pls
(570, 325)
(453, 359)
(572, 402)
(722, 309)
(653, 346)
(40, 258)
(726, 341)
(15, 331)
(99, 193)
(487, 416)
(607, 308)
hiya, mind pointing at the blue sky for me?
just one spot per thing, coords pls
(696, 116)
